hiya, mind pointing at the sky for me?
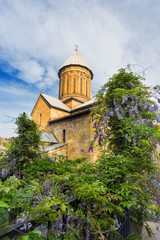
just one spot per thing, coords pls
(38, 36)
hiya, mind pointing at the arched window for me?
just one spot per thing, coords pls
(62, 85)
(81, 85)
(74, 88)
(64, 135)
(67, 85)
(86, 88)
(40, 119)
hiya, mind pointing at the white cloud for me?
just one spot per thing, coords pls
(15, 90)
(34, 36)
(37, 36)
(15, 99)
(7, 130)
(30, 71)
(49, 78)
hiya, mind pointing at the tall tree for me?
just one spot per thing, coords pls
(126, 126)
(23, 149)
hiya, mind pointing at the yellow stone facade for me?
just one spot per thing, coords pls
(75, 82)
(59, 151)
(72, 103)
(68, 118)
(43, 112)
(78, 135)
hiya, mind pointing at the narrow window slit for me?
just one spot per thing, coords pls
(64, 135)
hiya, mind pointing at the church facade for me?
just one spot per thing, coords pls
(66, 123)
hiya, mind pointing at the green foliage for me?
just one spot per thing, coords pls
(39, 168)
(96, 189)
(32, 235)
(126, 123)
(13, 196)
(23, 149)
(125, 115)
(134, 236)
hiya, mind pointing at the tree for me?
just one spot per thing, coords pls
(125, 115)
(125, 121)
(23, 149)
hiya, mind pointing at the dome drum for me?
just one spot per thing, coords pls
(75, 79)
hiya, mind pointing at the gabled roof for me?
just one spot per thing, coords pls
(54, 102)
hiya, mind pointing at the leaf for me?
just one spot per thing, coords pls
(52, 216)
(63, 208)
(3, 204)
(5, 238)
(37, 232)
(6, 189)
(26, 194)
(25, 237)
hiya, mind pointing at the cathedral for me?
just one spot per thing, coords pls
(66, 123)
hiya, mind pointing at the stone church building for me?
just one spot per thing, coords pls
(66, 123)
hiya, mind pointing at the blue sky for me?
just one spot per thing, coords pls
(37, 36)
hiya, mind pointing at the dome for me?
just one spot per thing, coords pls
(75, 60)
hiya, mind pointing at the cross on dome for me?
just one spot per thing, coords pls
(76, 47)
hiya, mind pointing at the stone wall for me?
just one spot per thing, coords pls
(41, 113)
(59, 151)
(78, 135)
(56, 113)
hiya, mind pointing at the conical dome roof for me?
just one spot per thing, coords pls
(75, 60)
